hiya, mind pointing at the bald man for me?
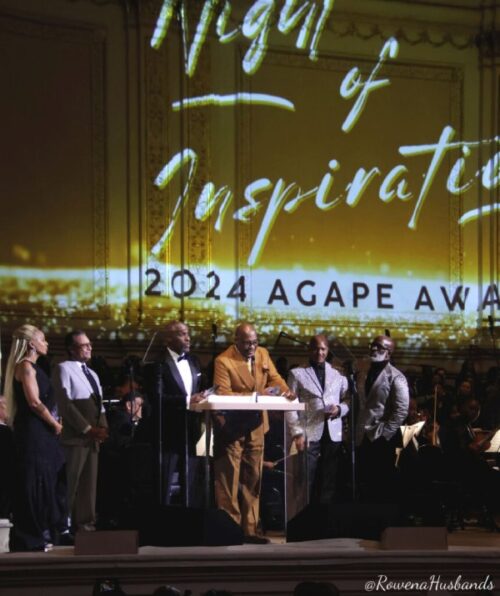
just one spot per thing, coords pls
(174, 383)
(383, 409)
(239, 435)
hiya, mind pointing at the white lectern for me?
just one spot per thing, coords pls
(253, 402)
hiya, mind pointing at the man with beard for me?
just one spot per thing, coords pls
(383, 409)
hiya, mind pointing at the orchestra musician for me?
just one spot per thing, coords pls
(463, 450)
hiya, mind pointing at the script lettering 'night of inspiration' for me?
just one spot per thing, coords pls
(309, 18)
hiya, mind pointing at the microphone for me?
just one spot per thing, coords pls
(290, 338)
(281, 334)
(143, 361)
(387, 333)
(491, 325)
(214, 331)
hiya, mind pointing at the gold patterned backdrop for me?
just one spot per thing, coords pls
(138, 192)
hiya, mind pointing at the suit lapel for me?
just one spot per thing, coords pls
(194, 375)
(174, 371)
(378, 381)
(328, 376)
(241, 368)
(313, 377)
(77, 367)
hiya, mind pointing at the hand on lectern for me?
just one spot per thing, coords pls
(197, 397)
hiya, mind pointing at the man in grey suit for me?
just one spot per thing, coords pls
(383, 409)
(79, 399)
(325, 392)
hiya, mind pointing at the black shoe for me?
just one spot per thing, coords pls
(256, 539)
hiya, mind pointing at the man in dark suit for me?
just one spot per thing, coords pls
(79, 400)
(173, 384)
(383, 409)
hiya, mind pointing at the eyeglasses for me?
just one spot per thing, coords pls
(378, 347)
(87, 345)
(253, 343)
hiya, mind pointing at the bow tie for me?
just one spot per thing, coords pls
(182, 357)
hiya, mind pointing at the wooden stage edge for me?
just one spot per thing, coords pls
(271, 570)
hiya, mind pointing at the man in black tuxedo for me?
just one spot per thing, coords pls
(174, 383)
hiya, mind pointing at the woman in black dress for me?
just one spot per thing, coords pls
(37, 507)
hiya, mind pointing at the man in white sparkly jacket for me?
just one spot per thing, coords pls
(319, 427)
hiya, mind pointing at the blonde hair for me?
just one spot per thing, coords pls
(20, 345)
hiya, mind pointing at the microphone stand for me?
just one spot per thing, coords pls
(158, 389)
(214, 340)
(353, 389)
(131, 388)
(159, 392)
(351, 374)
(290, 338)
(491, 326)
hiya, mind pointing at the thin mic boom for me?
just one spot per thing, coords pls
(149, 347)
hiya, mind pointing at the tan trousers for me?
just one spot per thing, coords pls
(238, 467)
(81, 473)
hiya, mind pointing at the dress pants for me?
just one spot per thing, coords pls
(378, 474)
(81, 471)
(323, 463)
(174, 462)
(238, 468)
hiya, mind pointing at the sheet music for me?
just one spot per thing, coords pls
(495, 444)
(410, 431)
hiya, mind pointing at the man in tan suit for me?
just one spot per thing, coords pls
(239, 435)
(79, 398)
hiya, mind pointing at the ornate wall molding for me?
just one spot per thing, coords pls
(412, 31)
(90, 41)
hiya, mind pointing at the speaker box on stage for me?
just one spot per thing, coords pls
(343, 520)
(110, 542)
(187, 526)
(415, 538)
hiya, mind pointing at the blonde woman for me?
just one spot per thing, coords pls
(31, 411)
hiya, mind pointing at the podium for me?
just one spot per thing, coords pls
(251, 403)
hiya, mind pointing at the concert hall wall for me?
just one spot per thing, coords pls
(339, 172)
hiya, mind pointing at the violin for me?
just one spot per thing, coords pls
(481, 443)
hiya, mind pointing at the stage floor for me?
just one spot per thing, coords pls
(355, 566)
